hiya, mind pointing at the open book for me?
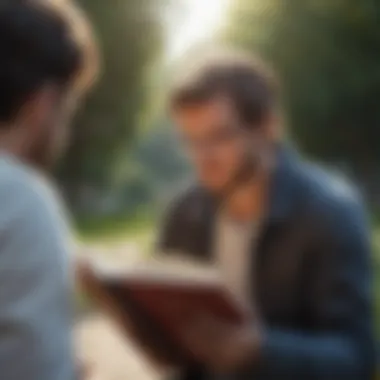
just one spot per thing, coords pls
(154, 300)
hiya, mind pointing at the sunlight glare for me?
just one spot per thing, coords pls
(202, 19)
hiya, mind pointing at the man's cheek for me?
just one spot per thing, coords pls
(215, 175)
(211, 166)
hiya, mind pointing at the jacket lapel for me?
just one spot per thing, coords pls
(283, 198)
(281, 203)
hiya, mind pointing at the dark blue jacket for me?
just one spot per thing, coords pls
(311, 272)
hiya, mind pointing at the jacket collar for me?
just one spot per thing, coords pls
(282, 198)
(283, 193)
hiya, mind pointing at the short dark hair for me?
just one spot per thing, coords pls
(245, 79)
(40, 42)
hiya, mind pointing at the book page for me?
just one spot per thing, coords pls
(176, 268)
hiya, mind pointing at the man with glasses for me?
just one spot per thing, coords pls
(291, 241)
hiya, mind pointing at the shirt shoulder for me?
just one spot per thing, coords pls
(26, 195)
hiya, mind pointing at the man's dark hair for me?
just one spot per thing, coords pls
(40, 42)
(245, 80)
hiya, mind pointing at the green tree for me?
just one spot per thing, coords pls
(130, 36)
(326, 54)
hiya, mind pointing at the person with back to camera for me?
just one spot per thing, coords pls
(47, 61)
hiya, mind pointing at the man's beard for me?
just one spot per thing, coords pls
(257, 161)
(245, 173)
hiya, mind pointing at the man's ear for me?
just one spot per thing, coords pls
(40, 108)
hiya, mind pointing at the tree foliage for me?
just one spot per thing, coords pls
(130, 37)
(326, 54)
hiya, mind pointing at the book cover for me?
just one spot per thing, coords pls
(154, 300)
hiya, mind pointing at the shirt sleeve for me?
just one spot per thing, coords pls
(35, 288)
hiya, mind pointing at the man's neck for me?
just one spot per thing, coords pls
(249, 200)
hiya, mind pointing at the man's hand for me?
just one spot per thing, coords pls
(221, 347)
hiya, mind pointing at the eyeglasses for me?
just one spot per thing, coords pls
(214, 142)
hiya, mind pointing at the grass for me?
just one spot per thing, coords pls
(104, 229)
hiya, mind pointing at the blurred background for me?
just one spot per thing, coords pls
(125, 163)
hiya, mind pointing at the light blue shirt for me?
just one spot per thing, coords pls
(35, 286)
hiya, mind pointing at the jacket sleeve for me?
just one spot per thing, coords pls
(340, 303)
(170, 228)
(177, 224)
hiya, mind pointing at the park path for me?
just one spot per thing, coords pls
(106, 354)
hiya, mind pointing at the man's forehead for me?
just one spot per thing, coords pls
(214, 111)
